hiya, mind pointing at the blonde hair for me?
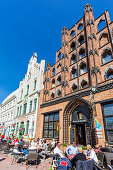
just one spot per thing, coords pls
(80, 149)
(89, 147)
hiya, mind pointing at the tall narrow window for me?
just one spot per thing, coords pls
(73, 46)
(82, 53)
(30, 109)
(35, 85)
(25, 108)
(20, 110)
(101, 25)
(35, 103)
(106, 56)
(83, 68)
(59, 79)
(27, 89)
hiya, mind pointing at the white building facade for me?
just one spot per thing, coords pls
(25, 112)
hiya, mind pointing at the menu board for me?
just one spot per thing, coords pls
(72, 135)
(88, 136)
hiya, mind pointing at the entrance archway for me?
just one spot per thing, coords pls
(78, 116)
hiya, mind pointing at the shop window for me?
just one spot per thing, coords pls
(82, 53)
(108, 121)
(53, 83)
(84, 84)
(72, 33)
(80, 26)
(51, 126)
(59, 79)
(106, 56)
(73, 46)
(74, 87)
(73, 59)
(83, 68)
(81, 40)
(73, 73)
(52, 95)
(101, 25)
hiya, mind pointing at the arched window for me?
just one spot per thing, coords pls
(73, 46)
(59, 93)
(52, 95)
(74, 87)
(53, 83)
(80, 26)
(84, 84)
(73, 59)
(72, 33)
(106, 56)
(101, 24)
(59, 79)
(59, 55)
(73, 73)
(82, 53)
(83, 68)
(81, 40)
(103, 39)
(53, 72)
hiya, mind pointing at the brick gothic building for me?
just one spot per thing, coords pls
(78, 88)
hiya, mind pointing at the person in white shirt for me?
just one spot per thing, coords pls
(53, 143)
(91, 153)
(57, 150)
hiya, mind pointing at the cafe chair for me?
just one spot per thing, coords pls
(32, 156)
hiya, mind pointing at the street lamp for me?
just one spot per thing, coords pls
(93, 90)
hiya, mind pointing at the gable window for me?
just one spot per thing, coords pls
(82, 53)
(81, 40)
(109, 73)
(53, 83)
(72, 46)
(107, 109)
(73, 73)
(74, 87)
(34, 84)
(106, 56)
(51, 126)
(59, 79)
(73, 59)
(72, 33)
(84, 84)
(59, 93)
(59, 56)
(83, 68)
(101, 24)
(20, 110)
(80, 26)
(52, 95)
(53, 72)
(30, 109)
(103, 39)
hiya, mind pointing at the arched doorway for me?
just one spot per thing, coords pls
(78, 122)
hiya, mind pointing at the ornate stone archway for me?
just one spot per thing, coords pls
(69, 109)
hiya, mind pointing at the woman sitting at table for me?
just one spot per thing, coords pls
(91, 153)
(79, 156)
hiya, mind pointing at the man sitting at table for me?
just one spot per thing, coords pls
(57, 150)
(72, 149)
(44, 150)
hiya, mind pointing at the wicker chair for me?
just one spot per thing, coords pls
(32, 156)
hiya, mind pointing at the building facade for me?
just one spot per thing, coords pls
(21, 118)
(7, 114)
(76, 102)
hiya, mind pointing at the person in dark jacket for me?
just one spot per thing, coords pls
(80, 156)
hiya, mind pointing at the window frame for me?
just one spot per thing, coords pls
(50, 121)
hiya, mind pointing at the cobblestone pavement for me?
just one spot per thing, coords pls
(5, 164)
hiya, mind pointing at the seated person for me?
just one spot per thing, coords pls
(57, 150)
(91, 153)
(79, 156)
(44, 149)
(72, 149)
(33, 145)
(53, 144)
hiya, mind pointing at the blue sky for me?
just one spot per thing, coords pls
(28, 26)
